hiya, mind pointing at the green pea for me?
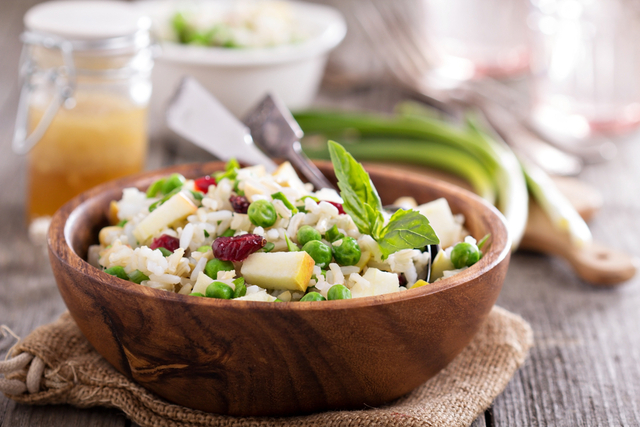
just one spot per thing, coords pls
(333, 234)
(174, 181)
(262, 213)
(313, 296)
(320, 252)
(219, 290)
(215, 265)
(138, 276)
(464, 255)
(306, 234)
(338, 292)
(241, 289)
(348, 252)
(196, 294)
(118, 272)
(204, 249)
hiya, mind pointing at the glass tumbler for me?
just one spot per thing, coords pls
(586, 66)
(478, 38)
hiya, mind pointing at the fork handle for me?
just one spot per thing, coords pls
(300, 160)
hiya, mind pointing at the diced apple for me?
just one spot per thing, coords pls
(365, 256)
(286, 176)
(113, 212)
(279, 270)
(202, 282)
(418, 284)
(253, 188)
(440, 264)
(442, 220)
(382, 282)
(176, 208)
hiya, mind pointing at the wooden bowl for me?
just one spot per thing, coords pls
(250, 358)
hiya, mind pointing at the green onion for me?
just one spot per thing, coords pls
(283, 199)
(138, 276)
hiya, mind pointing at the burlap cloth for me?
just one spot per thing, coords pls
(74, 373)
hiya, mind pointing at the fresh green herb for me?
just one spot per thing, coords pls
(117, 271)
(197, 195)
(231, 171)
(138, 276)
(290, 245)
(123, 222)
(315, 199)
(268, 247)
(174, 182)
(406, 229)
(228, 233)
(166, 252)
(361, 199)
(206, 233)
(155, 188)
(287, 203)
(169, 195)
(483, 241)
(241, 288)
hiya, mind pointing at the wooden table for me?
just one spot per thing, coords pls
(584, 368)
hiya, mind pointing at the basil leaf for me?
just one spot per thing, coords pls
(407, 229)
(361, 199)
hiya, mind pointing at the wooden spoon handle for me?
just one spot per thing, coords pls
(594, 263)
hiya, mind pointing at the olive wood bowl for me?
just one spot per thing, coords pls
(248, 358)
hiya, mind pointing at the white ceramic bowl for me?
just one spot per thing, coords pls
(239, 78)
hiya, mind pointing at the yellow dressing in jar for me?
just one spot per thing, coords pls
(102, 138)
(82, 115)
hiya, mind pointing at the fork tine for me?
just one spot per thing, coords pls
(382, 39)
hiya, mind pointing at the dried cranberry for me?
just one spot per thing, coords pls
(203, 184)
(337, 205)
(402, 280)
(237, 248)
(240, 204)
(170, 243)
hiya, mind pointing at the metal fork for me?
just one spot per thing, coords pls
(408, 58)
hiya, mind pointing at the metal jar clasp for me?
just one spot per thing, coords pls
(62, 77)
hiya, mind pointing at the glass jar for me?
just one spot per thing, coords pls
(86, 86)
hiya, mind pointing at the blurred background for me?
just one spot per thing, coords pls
(553, 78)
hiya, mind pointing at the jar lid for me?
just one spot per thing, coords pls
(91, 24)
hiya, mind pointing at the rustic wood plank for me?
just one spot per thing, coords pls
(585, 366)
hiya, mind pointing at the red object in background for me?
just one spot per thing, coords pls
(170, 243)
(203, 184)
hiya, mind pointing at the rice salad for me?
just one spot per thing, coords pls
(247, 234)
